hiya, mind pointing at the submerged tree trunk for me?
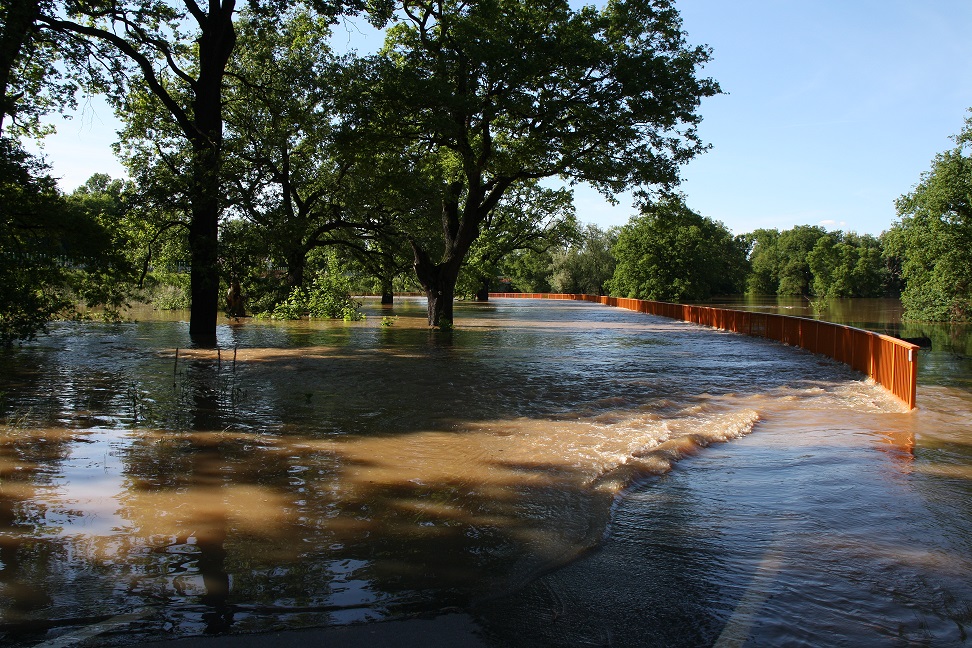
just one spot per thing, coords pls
(203, 246)
(440, 290)
(483, 293)
(440, 303)
(387, 291)
(215, 43)
(296, 262)
(459, 228)
(439, 282)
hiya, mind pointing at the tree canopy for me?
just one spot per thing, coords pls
(935, 236)
(498, 93)
(57, 253)
(671, 253)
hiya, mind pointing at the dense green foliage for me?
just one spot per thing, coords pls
(587, 266)
(780, 260)
(847, 265)
(671, 253)
(808, 260)
(327, 297)
(32, 82)
(30, 272)
(527, 271)
(582, 263)
(934, 237)
(57, 253)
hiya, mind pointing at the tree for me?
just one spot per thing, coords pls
(154, 152)
(847, 265)
(30, 272)
(503, 92)
(286, 172)
(180, 51)
(377, 265)
(56, 252)
(764, 262)
(104, 228)
(587, 265)
(936, 237)
(793, 247)
(528, 271)
(530, 217)
(31, 82)
(16, 23)
(892, 256)
(35, 221)
(150, 39)
(671, 253)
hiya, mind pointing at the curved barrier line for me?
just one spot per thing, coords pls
(891, 362)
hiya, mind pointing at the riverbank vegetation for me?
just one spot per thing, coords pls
(934, 236)
(269, 174)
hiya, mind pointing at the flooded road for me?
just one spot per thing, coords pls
(326, 473)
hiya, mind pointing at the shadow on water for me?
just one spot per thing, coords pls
(215, 491)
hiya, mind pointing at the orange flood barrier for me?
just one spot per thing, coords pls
(891, 362)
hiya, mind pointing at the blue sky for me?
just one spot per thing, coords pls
(833, 108)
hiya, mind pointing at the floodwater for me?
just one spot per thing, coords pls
(564, 473)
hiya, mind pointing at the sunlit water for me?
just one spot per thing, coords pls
(326, 473)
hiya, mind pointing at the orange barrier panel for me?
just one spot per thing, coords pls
(891, 362)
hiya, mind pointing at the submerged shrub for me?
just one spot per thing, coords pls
(170, 297)
(328, 297)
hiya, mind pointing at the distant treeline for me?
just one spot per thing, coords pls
(671, 253)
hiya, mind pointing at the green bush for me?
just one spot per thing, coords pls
(169, 291)
(327, 298)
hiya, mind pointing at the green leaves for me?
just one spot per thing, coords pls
(671, 253)
(936, 235)
(847, 265)
(327, 298)
(501, 93)
(57, 252)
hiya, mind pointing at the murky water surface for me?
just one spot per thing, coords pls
(324, 473)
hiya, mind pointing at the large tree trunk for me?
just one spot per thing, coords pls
(18, 23)
(459, 228)
(296, 263)
(203, 247)
(440, 290)
(387, 291)
(439, 282)
(215, 46)
(483, 293)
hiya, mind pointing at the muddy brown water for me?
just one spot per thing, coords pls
(566, 473)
